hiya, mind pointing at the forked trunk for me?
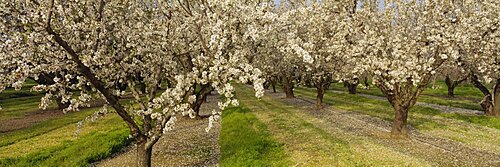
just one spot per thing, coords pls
(144, 154)
(488, 106)
(494, 106)
(399, 126)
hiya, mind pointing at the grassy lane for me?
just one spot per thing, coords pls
(419, 115)
(54, 141)
(19, 106)
(313, 142)
(245, 141)
(475, 131)
(466, 95)
(10, 93)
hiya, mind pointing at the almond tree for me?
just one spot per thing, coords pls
(271, 26)
(480, 46)
(454, 76)
(402, 47)
(104, 43)
(320, 37)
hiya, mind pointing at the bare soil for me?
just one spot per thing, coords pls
(187, 145)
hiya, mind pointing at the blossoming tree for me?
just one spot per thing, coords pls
(480, 49)
(103, 43)
(402, 47)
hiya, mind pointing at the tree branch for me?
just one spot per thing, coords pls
(87, 73)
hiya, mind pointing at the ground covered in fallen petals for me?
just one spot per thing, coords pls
(187, 145)
(339, 137)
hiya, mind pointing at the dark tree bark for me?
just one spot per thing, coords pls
(201, 97)
(321, 86)
(366, 82)
(288, 87)
(451, 84)
(273, 84)
(48, 79)
(490, 102)
(319, 97)
(266, 84)
(399, 125)
(352, 87)
(60, 104)
(144, 154)
(496, 102)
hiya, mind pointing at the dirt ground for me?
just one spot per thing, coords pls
(187, 145)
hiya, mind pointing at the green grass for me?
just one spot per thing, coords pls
(25, 91)
(52, 142)
(311, 141)
(43, 127)
(245, 141)
(18, 107)
(81, 152)
(16, 104)
(466, 95)
(383, 110)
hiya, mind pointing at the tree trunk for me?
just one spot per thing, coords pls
(201, 97)
(451, 91)
(288, 87)
(366, 82)
(352, 88)
(496, 98)
(451, 86)
(144, 154)
(273, 84)
(399, 125)
(60, 104)
(319, 97)
(289, 91)
(491, 103)
(489, 100)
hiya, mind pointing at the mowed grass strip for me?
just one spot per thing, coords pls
(313, 142)
(80, 152)
(25, 91)
(44, 127)
(467, 96)
(245, 141)
(17, 107)
(476, 131)
(418, 116)
(54, 141)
